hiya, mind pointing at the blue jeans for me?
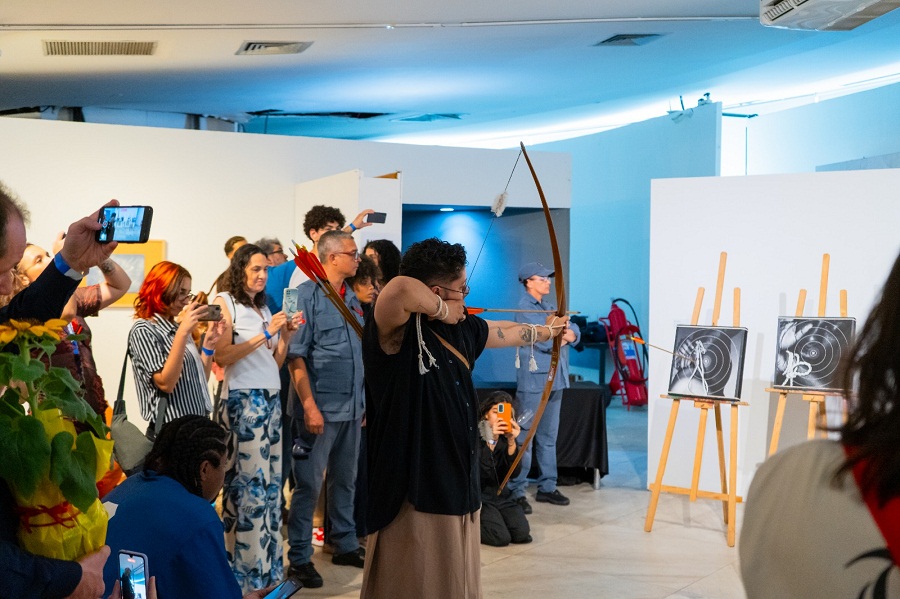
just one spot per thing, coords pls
(543, 446)
(337, 450)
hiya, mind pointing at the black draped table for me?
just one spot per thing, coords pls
(581, 443)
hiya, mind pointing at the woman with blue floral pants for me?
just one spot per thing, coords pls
(252, 349)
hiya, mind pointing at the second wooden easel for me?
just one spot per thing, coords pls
(728, 477)
(816, 399)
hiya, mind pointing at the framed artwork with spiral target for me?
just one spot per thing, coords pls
(708, 362)
(809, 352)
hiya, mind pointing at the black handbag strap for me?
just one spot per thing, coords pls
(119, 407)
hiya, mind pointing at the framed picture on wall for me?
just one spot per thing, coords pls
(136, 259)
(809, 352)
(708, 362)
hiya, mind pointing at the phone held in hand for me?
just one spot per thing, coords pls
(504, 411)
(285, 589)
(133, 574)
(214, 313)
(125, 224)
(376, 217)
(289, 301)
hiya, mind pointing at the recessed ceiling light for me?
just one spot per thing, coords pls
(447, 209)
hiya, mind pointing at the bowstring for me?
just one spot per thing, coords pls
(493, 220)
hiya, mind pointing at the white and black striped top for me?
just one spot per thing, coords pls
(149, 343)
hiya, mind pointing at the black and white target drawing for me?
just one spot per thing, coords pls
(708, 362)
(809, 352)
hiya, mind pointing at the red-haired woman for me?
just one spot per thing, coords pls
(168, 367)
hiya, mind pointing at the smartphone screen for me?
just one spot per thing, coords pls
(133, 574)
(214, 313)
(285, 589)
(376, 217)
(289, 301)
(125, 224)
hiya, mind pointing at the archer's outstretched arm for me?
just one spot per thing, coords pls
(506, 333)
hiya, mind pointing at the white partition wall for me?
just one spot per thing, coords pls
(351, 192)
(775, 229)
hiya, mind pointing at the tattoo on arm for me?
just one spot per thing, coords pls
(527, 334)
(107, 267)
(500, 333)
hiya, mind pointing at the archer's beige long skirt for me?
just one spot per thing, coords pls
(424, 556)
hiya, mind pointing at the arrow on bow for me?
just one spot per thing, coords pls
(560, 311)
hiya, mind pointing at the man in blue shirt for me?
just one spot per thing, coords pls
(327, 405)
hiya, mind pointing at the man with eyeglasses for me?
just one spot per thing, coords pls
(327, 404)
(531, 376)
(274, 252)
(424, 447)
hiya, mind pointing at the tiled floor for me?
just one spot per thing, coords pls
(596, 547)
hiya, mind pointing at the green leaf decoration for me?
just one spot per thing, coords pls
(48, 344)
(62, 375)
(11, 404)
(62, 391)
(27, 370)
(25, 453)
(72, 470)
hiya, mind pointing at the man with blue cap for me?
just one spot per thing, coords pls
(531, 376)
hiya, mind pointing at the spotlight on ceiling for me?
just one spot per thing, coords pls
(447, 209)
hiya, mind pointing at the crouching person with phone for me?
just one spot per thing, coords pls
(165, 514)
(502, 518)
(252, 349)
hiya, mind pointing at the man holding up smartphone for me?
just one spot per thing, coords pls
(27, 576)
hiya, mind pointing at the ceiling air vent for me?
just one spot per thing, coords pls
(266, 48)
(98, 48)
(629, 39)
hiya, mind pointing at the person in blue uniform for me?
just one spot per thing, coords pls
(534, 364)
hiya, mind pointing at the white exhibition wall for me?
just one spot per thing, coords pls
(207, 186)
(775, 229)
(801, 139)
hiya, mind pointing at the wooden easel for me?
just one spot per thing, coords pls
(816, 399)
(728, 495)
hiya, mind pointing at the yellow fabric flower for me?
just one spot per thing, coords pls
(39, 330)
(7, 334)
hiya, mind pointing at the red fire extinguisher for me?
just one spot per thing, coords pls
(629, 380)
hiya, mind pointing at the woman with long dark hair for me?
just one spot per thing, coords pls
(386, 256)
(823, 517)
(252, 349)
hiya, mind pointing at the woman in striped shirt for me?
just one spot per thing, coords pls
(167, 364)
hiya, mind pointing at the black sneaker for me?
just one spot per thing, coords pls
(556, 498)
(351, 558)
(307, 574)
(526, 507)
